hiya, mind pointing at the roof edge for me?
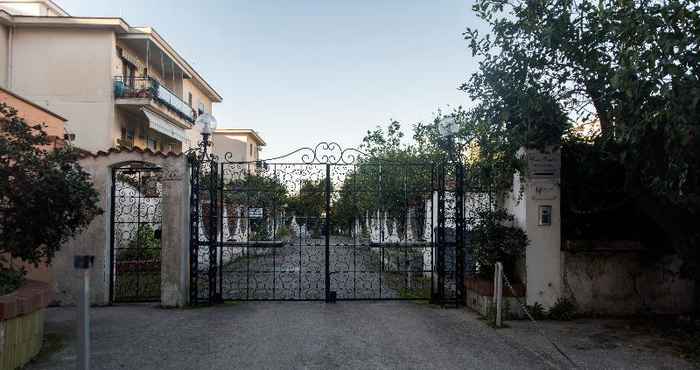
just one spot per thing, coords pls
(33, 104)
(239, 131)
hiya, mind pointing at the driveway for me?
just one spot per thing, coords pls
(296, 270)
(351, 335)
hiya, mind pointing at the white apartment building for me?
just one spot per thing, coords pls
(117, 85)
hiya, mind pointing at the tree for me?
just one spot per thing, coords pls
(392, 178)
(308, 205)
(252, 191)
(630, 66)
(45, 195)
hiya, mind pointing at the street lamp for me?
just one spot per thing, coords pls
(208, 124)
(447, 129)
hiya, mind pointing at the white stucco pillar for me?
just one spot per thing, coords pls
(175, 234)
(537, 211)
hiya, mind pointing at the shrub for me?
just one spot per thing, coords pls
(563, 310)
(10, 279)
(283, 233)
(45, 195)
(493, 240)
(145, 246)
(537, 311)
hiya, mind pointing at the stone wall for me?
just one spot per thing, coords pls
(625, 282)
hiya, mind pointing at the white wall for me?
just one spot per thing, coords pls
(4, 53)
(69, 72)
(36, 8)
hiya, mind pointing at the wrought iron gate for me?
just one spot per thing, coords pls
(135, 233)
(333, 225)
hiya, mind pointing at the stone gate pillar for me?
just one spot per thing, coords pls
(175, 233)
(537, 210)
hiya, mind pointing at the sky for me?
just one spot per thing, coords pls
(304, 71)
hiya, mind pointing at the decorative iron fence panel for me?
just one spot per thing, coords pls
(135, 233)
(334, 225)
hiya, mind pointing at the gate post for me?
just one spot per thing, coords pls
(440, 245)
(459, 234)
(212, 235)
(329, 295)
(174, 250)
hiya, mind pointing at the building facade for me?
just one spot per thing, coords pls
(34, 114)
(244, 145)
(117, 85)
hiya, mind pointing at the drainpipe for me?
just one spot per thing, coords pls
(10, 56)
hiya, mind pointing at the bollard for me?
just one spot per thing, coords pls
(83, 265)
(498, 292)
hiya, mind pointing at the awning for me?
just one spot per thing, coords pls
(164, 126)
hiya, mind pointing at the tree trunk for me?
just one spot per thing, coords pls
(601, 108)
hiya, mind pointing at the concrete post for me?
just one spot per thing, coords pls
(83, 264)
(175, 233)
(498, 292)
(537, 211)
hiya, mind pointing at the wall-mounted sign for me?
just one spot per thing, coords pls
(255, 213)
(543, 190)
(543, 165)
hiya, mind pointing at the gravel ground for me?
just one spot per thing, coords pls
(314, 335)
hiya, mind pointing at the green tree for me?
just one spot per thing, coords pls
(261, 190)
(308, 205)
(630, 66)
(392, 178)
(45, 195)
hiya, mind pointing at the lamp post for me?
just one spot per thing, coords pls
(208, 124)
(448, 128)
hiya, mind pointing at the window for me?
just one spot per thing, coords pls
(189, 99)
(251, 150)
(152, 143)
(545, 218)
(128, 133)
(171, 147)
(128, 73)
(200, 108)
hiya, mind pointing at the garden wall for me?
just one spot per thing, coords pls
(22, 323)
(624, 281)
(96, 238)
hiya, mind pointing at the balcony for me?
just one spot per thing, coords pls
(149, 89)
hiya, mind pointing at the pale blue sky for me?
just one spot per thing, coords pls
(305, 71)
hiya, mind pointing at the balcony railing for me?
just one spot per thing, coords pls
(146, 87)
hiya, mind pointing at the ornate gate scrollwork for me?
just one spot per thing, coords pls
(319, 223)
(135, 227)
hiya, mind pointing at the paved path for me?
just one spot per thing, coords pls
(314, 335)
(296, 271)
